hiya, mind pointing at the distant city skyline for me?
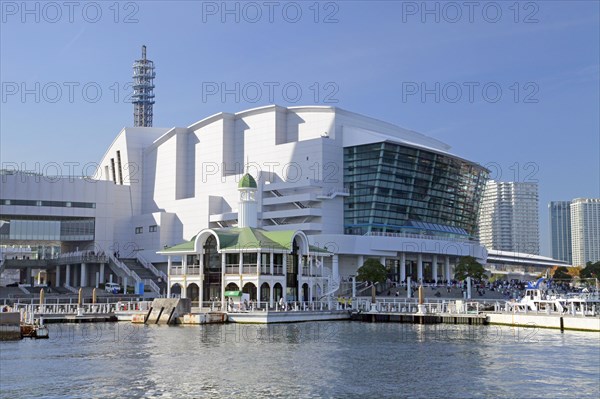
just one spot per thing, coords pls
(585, 230)
(516, 94)
(560, 230)
(509, 217)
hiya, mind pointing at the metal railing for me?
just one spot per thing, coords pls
(249, 269)
(232, 268)
(46, 310)
(150, 283)
(133, 274)
(406, 305)
(151, 267)
(120, 265)
(294, 306)
(420, 236)
(316, 272)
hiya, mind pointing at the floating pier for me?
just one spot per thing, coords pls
(543, 320)
(416, 318)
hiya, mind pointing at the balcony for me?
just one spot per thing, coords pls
(232, 268)
(315, 272)
(249, 269)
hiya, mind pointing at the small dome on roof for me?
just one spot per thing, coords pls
(247, 181)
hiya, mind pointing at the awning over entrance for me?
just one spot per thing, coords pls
(233, 293)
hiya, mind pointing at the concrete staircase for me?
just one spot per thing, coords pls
(138, 268)
(148, 274)
(137, 272)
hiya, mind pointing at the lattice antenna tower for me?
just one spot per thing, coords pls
(143, 91)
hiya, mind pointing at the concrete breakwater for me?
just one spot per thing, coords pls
(10, 326)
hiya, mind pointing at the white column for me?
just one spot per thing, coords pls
(184, 287)
(258, 266)
(447, 267)
(271, 257)
(83, 281)
(335, 267)
(169, 264)
(310, 291)
(125, 285)
(434, 268)
(408, 287)
(382, 260)
(468, 287)
(97, 279)
(57, 276)
(223, 280)
(241, 265)
(201, 284)
(420, 268)
(102, 279)
(184, 264)
(354, 287)
(321, 265)
(361, 261)
(402, 266)
(68, 275)
(284, 285)
(271, 289)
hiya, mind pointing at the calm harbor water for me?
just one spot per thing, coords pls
(320, 359)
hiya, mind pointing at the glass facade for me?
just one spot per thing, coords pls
(47, 229)
(60, 204)
(400, 189)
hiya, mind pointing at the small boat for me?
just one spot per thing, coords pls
(34, 331)
(539, 298)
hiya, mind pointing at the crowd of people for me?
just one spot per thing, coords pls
(509, 289)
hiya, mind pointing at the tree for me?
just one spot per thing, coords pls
(561, 273)
(574, 271)
(374, 272)
(469, 267)
(591, 270)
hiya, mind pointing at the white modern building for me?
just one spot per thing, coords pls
(44, 217)
(329, 188)
(509, 217)
(560, 230)
(585, 230)
(520, 266)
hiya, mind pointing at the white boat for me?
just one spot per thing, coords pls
(538, 298)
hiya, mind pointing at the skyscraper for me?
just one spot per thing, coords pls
(560, 230)
(585, 230)
(509, 217)
(143, 91)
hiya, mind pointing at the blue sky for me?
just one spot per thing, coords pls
(514, 86)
